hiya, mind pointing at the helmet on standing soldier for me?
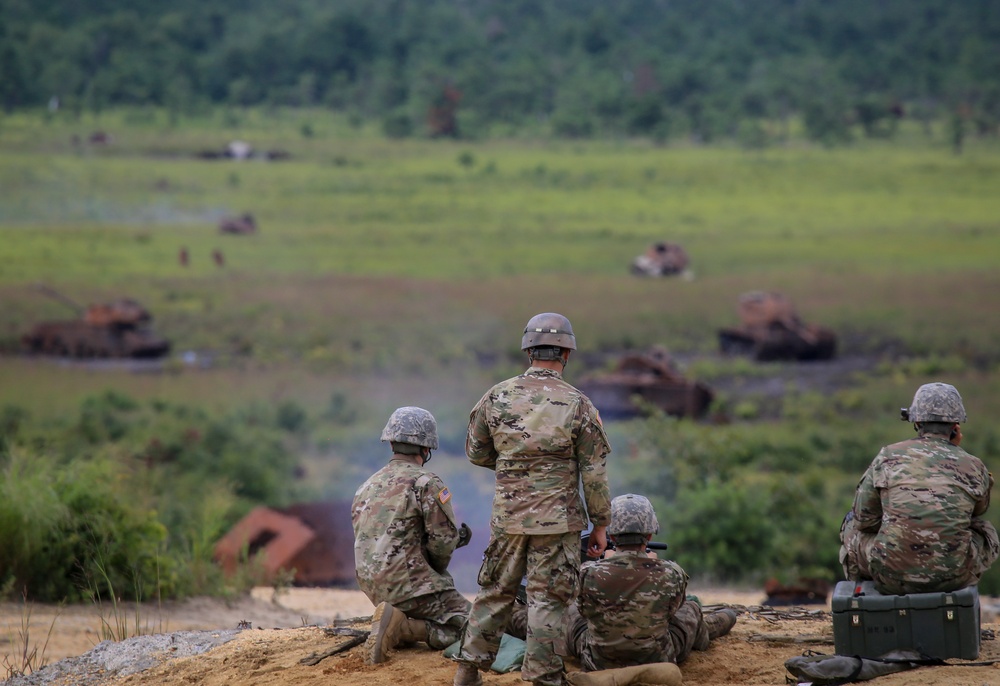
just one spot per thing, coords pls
(936, 402)
(548, 329)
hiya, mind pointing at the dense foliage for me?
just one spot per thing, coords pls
(744, 502)
(478, 67)
(129, 498)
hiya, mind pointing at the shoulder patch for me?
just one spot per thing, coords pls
(444, 496)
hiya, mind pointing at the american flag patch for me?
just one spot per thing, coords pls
(444, 496)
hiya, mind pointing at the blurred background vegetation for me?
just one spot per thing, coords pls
(843, 153)
(573, 68)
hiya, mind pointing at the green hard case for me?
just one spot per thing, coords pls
(869, 624)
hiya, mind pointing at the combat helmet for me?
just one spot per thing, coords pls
(632, 519)
(413, 425)
(548, 329)
(936, 402)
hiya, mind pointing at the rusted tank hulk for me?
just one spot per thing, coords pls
(771, 330)
(116, 329)
(660, 259)
(650, 377)
(245, 224)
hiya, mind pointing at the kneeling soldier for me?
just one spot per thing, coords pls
(404, 535)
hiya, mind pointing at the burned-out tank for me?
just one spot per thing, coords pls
(243, 225)
(120, 328)
(651, 377)
(771, 329)
(661, 259)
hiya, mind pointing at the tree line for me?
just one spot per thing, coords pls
(705, 69)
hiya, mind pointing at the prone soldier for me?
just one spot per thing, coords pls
(633, 608)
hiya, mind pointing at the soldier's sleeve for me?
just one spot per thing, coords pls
(592, 448)
(440, 529)
(479, 441)
(983, 503)
(868, 503)
(680, 585)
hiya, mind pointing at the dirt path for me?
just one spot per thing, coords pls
(291, 627)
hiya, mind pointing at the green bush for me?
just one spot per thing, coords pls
(721, 530)
(132, 497)
(745, 501)
(64, 528)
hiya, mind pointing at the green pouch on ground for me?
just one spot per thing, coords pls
(509, 657)
(827, 670)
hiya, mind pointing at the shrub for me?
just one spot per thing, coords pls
(132, 497)
(742, 502)
(61, 528)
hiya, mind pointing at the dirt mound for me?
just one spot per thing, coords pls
(754, 653)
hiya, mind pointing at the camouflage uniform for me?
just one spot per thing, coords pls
(543, 437)
(915, 525)
(632, 610)
(404, 536)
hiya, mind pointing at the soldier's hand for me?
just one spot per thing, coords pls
(464, 535)
(598, 542)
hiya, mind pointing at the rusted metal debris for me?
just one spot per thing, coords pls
(651, 377)
(314, 539)
(805, 591)
(242, 225)
(357, 638)
(660, 259)
(116, 329)
(770, 329)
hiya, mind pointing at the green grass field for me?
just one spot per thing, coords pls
(420, 258)
(402, 272)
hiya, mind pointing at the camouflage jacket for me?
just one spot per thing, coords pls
(627, 601)
(543, 437)
(919, 497)
(404, 533)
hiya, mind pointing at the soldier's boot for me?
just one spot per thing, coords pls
(660, 673)
(720, 622)
(467, 675)
(390, 628)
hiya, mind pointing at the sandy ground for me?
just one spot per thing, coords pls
(261, 640)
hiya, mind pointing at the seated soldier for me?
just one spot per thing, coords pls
(633, 608)
(404, 535)
(915, 526)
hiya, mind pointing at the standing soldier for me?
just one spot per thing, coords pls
(404, 535)
(633, 608)
(915, 526)
(542, 437)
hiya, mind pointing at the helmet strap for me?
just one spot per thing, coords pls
(549, 353)
(631, 539)
(406, 448)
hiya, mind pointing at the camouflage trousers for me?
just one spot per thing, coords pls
(551, 566)
(444, 612)
(687, 628)
(860, 561)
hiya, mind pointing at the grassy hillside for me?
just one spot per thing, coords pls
(389, 273)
